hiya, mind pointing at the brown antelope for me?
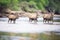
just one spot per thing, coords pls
(32, 16)
(12, 17)
(48, 16)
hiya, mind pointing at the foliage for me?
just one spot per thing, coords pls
(49, 36)
(13, 4)
(29, 5)
(54, 5)
(17, 4)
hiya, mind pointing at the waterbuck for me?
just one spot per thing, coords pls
(32, 16)
(12, 17)
(48, 16)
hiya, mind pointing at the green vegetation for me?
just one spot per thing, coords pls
(49, 36)
(55, 4)
(40, 36)
(27, 4)
(30, 5)
(32, 35)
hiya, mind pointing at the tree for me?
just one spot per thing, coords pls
(54, 5)
(4, 4)
(14, 5)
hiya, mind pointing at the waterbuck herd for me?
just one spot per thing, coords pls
(47, 16)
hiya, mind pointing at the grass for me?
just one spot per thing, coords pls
(31, 35)
(40, 36)
(49, 36)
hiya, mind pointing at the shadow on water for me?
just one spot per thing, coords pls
(3, 19)
(34, 23)
(54, 23)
